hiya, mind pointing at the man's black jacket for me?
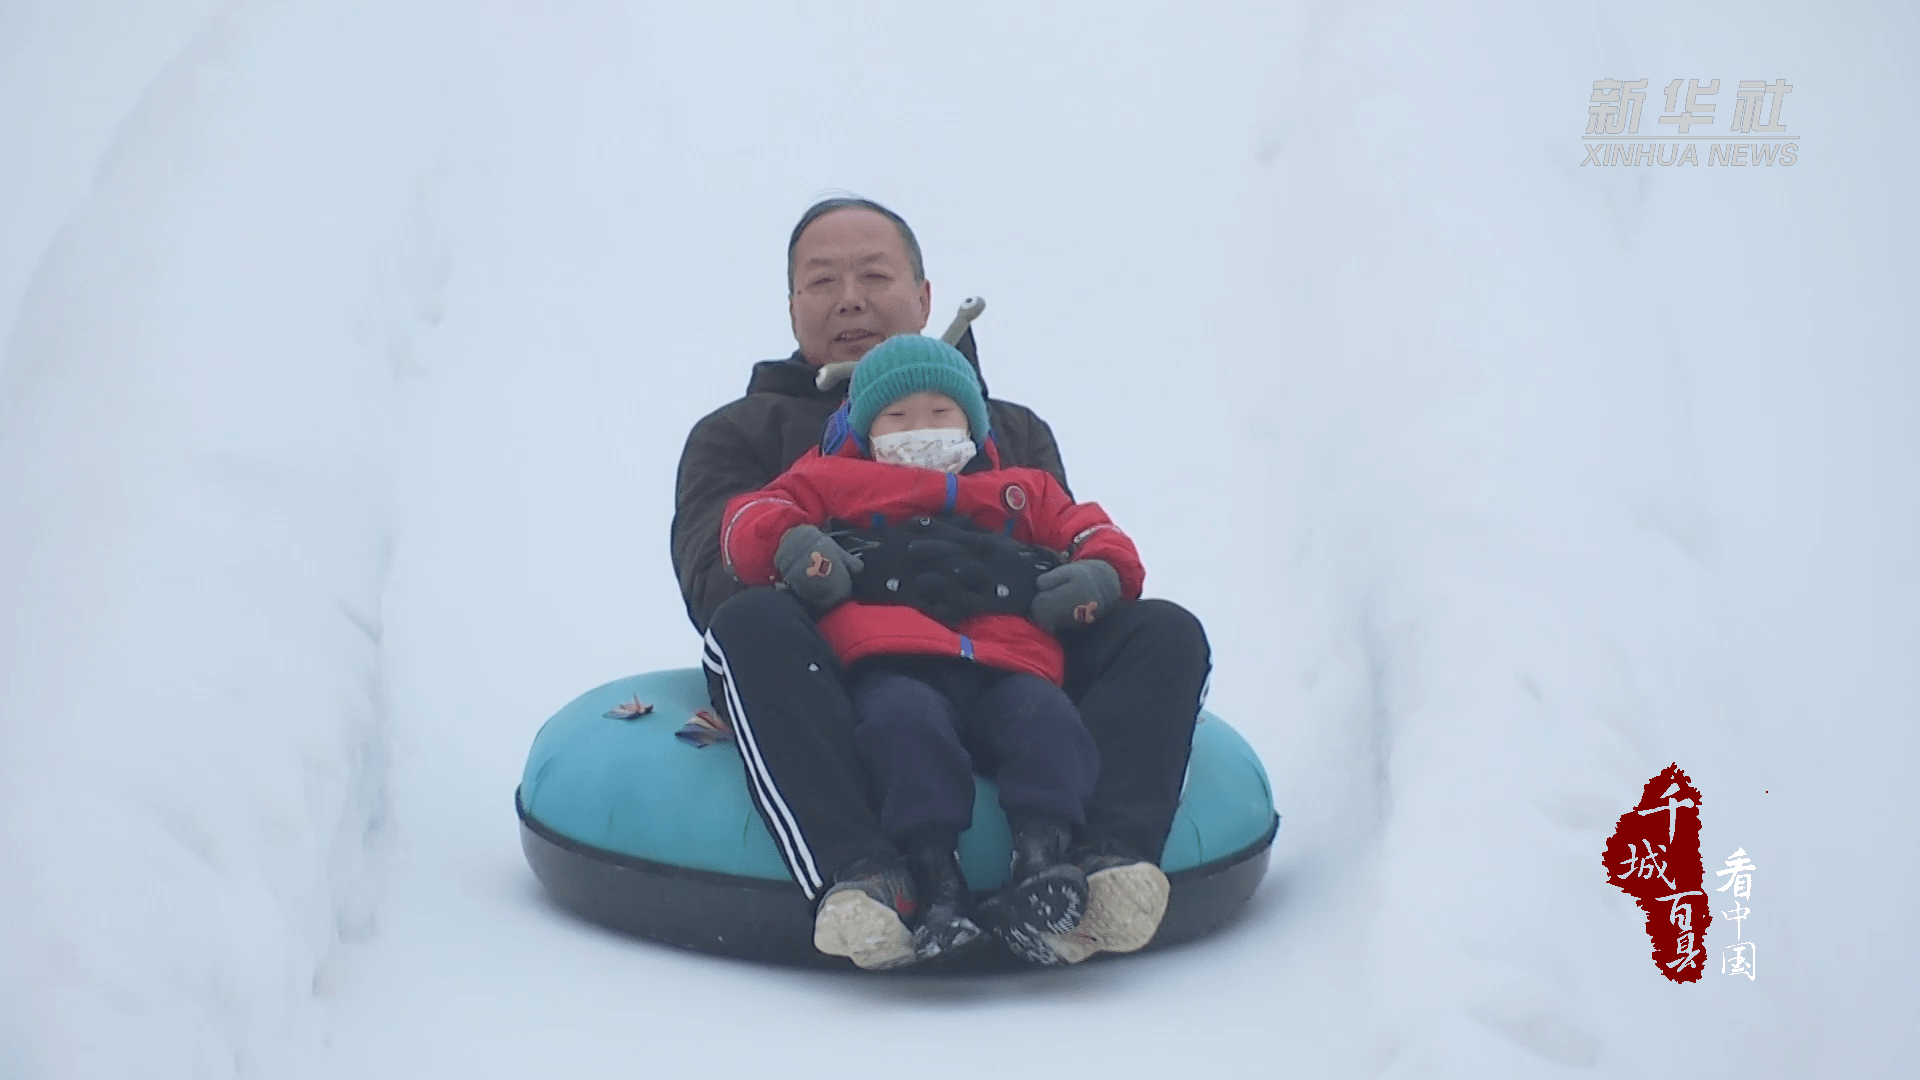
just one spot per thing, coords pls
(745, 444)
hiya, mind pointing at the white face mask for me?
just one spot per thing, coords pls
(943, 449)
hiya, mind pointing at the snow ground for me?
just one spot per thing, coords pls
(337, 418)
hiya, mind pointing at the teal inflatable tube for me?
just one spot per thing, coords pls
(632, 825)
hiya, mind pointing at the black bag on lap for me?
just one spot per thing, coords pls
(945, 566)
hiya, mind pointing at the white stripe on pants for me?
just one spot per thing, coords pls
(786, 830)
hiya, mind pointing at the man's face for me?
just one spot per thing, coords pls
(853, 287)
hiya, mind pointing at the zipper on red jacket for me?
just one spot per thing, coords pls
(1086, 534)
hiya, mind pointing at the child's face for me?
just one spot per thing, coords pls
(917, 412)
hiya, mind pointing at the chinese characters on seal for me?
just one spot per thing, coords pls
(1654, 857)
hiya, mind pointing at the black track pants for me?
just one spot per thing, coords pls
(772, 674)
(1137, 676)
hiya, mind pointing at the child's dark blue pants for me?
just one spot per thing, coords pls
(927, 724)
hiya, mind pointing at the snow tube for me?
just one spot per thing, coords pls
(648, 833)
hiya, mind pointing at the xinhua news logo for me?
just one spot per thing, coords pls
(1758, 137)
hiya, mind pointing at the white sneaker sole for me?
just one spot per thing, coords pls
(1124, 908)
(854, 925)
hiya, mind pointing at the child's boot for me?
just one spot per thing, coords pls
(945, 928)
(864, 916)
(1045, 894)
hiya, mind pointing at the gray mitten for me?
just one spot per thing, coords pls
(818, 570)
(1075, 594)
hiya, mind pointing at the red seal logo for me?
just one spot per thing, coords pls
(1015, 497)
(1654, 857)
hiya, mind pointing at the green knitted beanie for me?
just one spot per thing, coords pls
(907, 364)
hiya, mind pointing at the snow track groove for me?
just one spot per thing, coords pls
(336, 436)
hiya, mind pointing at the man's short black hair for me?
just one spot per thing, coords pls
(854, 202)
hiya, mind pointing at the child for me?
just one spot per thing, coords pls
(934, 701)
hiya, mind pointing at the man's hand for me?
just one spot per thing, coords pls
(946, 567)
(818, 570)
(1075, 594)
(980, 572)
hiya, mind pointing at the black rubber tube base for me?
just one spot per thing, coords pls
(772, 921)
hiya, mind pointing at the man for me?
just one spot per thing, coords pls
(855, 278)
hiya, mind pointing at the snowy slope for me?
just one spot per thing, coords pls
(336, 439)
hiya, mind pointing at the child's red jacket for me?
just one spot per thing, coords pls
(848, 484)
